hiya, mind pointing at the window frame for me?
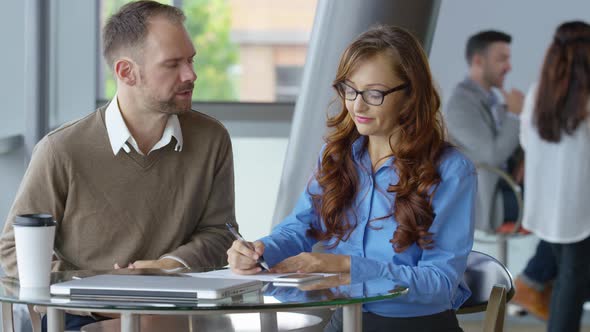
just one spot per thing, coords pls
(267, 115)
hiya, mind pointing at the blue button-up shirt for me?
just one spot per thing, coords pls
(434, 276)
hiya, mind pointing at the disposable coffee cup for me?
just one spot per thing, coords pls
(33, 293)
(34, 235)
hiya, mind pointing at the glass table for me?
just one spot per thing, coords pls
(334, 291)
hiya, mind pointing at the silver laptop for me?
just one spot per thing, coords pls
(153, 288)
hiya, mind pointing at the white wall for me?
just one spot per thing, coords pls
(73, 60)
(530, 22)
(258, 164)
(12, 96)
(11, 65)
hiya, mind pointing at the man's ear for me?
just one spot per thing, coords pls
(477, 59)
(125, 71)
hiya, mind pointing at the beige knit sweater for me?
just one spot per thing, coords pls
(126, 207)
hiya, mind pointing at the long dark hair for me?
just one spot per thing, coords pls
(564, 89)
(420, 144)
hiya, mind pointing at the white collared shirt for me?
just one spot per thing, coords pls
(120, 137)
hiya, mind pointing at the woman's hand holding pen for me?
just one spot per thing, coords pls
(242, 259)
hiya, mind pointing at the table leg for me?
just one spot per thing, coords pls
(130, 322)
(352, 318)
(193, 323)
(55, 320)
(268, 321)
(7, 318)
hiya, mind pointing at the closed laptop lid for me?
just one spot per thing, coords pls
(147, 287)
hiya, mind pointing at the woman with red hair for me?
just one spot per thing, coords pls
(390, 198)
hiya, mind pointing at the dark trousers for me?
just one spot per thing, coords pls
(542, 267)
(445, 321)
(73, 322)
(509, 201)
(571, 287)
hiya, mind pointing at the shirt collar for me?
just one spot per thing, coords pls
(358, 146)
(172, 130)
(489, 96)
(361, 155)
(119, 134)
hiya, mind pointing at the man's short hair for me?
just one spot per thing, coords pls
(128, 27)
(478, 43)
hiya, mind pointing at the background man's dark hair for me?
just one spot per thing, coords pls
(478, 43)
(128, 28)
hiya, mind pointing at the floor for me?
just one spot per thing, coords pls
(473, 323)
(469, 323)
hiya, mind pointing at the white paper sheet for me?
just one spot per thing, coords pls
(262, 276)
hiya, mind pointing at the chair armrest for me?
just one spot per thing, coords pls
(496, 310)
(513, 186)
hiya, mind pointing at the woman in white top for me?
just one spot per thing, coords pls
(555, 132)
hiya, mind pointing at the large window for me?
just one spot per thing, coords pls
(247, 50)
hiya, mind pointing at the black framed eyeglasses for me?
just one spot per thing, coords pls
(372, 96)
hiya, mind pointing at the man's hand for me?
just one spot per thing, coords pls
(314, 262)
(164, 264)
(514, 100)
(242, 259)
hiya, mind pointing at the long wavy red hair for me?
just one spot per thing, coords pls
(420, 142)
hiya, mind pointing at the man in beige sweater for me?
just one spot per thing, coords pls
(143, 182)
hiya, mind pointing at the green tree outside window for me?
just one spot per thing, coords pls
(208, 24)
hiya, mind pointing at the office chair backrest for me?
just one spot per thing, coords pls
(491, 287)
(513, 229)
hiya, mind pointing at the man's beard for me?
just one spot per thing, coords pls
(172, 106)
(169, 106)
(494, 80)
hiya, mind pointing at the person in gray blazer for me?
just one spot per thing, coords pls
(484, 126)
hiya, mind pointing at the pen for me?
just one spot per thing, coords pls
(239, 237)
